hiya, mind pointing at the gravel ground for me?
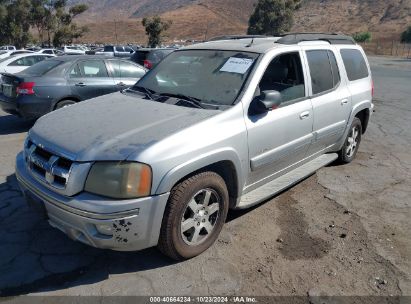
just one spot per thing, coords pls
(343, 231)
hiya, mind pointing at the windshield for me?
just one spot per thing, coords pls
(42, 67)
(211, 76)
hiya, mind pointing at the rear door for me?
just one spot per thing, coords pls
(330, 97)
(90, 78)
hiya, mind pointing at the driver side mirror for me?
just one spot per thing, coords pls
(267, 101)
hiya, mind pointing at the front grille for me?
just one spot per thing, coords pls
(46, 166)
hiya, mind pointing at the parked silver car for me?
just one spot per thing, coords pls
(219, 125)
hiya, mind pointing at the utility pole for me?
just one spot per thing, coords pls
(206, 31)
(115, 30)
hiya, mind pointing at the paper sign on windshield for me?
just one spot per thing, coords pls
(237, 65)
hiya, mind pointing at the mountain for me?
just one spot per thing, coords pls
(197, 19)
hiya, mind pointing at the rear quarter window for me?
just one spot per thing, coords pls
(355, 64)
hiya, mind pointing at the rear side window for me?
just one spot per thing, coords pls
(354, 64)
(108, 48)
(324, 71)
(93, 68)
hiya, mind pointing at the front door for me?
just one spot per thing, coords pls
(281, 137)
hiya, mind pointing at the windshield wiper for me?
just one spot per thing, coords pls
(149, 93)
(192, 100)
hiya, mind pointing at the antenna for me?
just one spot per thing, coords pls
(251, 43)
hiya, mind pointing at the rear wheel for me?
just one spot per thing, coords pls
(65, 103)
(352, 142)
(195, 214)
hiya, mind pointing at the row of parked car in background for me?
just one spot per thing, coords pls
(36, 81)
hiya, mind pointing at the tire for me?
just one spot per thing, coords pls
(203, 222)
(348, 152)
(64, 103)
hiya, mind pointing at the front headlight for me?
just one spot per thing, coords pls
(121, 180)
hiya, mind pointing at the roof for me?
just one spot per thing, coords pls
(264, 44)
(67, 58)
(156, 49)
(258, 45)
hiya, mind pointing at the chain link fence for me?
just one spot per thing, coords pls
(388, 48)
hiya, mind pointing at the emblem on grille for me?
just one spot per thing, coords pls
(47, 166)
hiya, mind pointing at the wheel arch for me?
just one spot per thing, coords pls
(74, 98)
(360, 110)
(364, 117)
(228, 167)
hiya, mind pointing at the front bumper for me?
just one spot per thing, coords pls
(122, 225)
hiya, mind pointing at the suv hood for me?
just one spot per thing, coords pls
(112, 127)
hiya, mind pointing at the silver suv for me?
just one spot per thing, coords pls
(219, 125)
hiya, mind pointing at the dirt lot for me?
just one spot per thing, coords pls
(343, 231)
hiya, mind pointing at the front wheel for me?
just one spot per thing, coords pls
(194, 216)
(352, 142)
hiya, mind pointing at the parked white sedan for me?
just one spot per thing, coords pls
(18, 63)
(51, 51)
(5, 54)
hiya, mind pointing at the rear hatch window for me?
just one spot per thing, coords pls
(140, 56)
(108, 48)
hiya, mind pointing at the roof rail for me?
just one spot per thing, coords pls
(237, 37)
(331, 38)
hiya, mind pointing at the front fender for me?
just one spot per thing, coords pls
(195, 164)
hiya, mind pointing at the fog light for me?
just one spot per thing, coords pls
(104, 229)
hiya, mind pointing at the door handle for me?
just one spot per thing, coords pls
(121, 84)
(304, 115)
(344, 101)
(80, 84)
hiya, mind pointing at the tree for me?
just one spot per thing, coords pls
(362, 37)
(39, 18)
(18, 22)
(155, 28)
(48, 17)
(3, 31)
(66, 31)
(272, 17)
(406, 35)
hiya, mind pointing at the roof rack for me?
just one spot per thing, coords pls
(332, 38)
(237, 37)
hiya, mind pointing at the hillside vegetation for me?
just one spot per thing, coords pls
(197, 19)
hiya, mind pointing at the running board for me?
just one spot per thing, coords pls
(283, 182)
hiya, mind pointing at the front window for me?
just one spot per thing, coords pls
(210, 76)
